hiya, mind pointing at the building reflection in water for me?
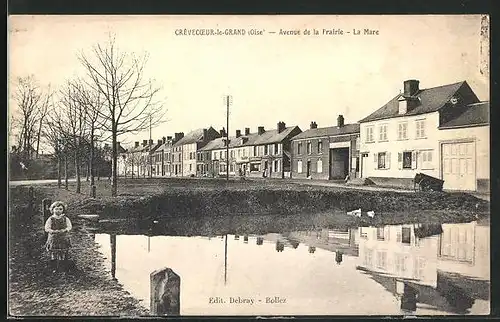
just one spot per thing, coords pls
(444, 267)
(428, 269)
(280, 246)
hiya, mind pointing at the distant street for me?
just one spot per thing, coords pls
(31, 182)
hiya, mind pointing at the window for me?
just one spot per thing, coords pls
(320, 146)
(299, 148)
(244, 152)
(368, 257)
(299, 166)
(190, 167)
(401, 263)
(308, 147)
(276, 166)
(406, 235)
(420, 126)
(239, 153)
(266, 150)
(255, 150)
(232, 154)
(369, 134)
(382, 132)
(380, 233)
(319, 166)
(382, 160)
(382, 260)
(276, 148)
(254, 166)
(403, 131)
(407, 160)
(427, 159)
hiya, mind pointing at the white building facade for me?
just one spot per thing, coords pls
(442, 132)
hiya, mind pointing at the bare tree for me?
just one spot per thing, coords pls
(27, 97)
(92, 101)
(42, 114)
(76, 124)
(129, 100)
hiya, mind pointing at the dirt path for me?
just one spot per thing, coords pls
(87, 290)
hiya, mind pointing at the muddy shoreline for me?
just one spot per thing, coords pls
(86, 290)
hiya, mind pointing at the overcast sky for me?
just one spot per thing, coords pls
(295, 79)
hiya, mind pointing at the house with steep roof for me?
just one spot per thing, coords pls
(326, 153)
(185, 150)
(440, 131)
(161, 157)
(269, 152)
(131, 160)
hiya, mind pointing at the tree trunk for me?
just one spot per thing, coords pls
(114, 163)
(77, 170)
(132, 159)
(59, 169)
(38, 136)
(92, 181)
(65, 171)
(87, 171)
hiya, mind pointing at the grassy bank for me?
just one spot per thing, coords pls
(187, 197)
(35, 291)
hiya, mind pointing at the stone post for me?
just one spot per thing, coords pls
(93, 191)
(31, 199)
(165, 286)
(46, 211)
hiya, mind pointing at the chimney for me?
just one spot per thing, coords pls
(144, 142)
(179, 136)
(164, 139)
(281, 127)
(223, 132)
(340, 121)
(137, 144)
(313, 125)
(410, 87)
(205, 134)
(161, 141)
(169, 138)
(260, 130)
(238, 133)
(151, 142)
(247, 131)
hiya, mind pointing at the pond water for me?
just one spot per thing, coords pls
(314, 271)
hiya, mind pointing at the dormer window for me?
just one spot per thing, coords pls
(403, 105)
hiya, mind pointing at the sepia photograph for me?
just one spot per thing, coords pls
(248, 165)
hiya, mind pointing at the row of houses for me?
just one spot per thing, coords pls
(441, 131)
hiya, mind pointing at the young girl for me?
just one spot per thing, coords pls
(58, 227)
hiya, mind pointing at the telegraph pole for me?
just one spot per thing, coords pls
(150, 154)
(227, 137)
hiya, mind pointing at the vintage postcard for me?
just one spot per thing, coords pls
(191, 165)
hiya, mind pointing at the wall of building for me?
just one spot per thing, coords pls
(480, 135)
(189, 159)
(299, 161)
(434, 137)
(393, 146)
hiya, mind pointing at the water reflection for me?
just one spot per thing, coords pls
(430, 269)
(401, 269)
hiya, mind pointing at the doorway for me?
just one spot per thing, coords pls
(308, 171)
(339, 163)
